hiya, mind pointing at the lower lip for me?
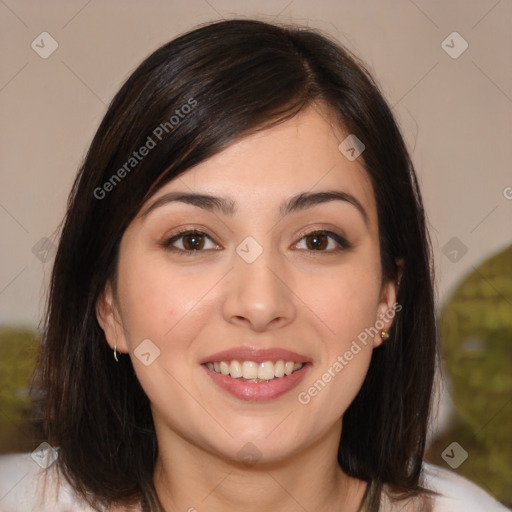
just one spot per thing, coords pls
(258, 391)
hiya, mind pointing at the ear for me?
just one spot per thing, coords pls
(109, 319)
(388, 307)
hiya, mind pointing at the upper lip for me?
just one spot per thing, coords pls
(258, 355)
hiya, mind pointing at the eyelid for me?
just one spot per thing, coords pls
(340, 240)
(169, 239)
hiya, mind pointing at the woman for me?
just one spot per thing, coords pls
(241, 312)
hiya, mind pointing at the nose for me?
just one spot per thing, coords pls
(258, 294)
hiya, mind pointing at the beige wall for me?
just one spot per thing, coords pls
(456, 112)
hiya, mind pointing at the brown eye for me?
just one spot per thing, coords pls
(317, 241)
(190, 242)
(193, 241)
(323, 241)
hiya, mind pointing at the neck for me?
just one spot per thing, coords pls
(189, 478)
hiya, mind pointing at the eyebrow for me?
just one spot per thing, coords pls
(228, 206)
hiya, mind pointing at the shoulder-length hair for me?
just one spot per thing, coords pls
(192, 98)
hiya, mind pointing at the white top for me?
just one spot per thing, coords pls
(21, 490)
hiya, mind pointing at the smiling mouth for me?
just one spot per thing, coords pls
(250, 371)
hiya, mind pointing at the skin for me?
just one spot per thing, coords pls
(312, 301)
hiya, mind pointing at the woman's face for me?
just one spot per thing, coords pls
(273, 271)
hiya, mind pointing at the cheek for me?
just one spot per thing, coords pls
(165, 307)
(346, 301)
(156, 301)
(346, 306)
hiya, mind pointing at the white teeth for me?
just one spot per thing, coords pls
(224, 368)
(249, 370)
(266, 370)
(279, 368)
(235, 370)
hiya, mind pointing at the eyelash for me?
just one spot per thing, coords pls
(343, 244)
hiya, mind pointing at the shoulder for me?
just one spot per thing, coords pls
(30, 484)
(456, 493)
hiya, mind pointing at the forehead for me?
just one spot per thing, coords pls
(264, 168)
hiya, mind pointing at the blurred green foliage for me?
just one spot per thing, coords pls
(476, 347)
(18, 353)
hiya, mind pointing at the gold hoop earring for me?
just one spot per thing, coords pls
(115, 353)
(384, 335)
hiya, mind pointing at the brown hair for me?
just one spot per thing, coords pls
(239, 76)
